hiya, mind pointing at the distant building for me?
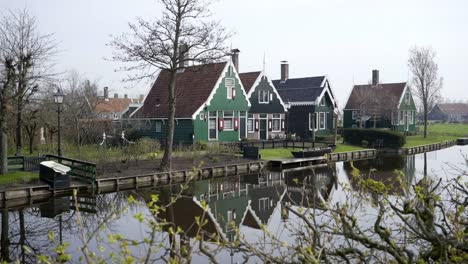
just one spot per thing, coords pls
(116, 108)
(380, 105)
(310, 102)
(455, 112)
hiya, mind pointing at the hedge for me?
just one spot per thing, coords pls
(390, 139)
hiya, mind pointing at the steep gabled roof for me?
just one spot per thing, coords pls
(454, 108)
(193, 87)
(393, 90)
(114, 105)
(248, 79)
(300, 89)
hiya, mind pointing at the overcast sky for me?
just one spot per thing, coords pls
(344, 40)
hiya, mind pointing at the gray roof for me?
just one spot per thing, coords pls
(300, 89)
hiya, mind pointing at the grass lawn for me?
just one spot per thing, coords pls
(284, 153)
(456, 130)
(418, 140)
(18, 177)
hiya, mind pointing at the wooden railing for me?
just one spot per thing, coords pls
(80, 170)
(275, 143)
(15, 163)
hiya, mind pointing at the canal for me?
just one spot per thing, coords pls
(248, 208)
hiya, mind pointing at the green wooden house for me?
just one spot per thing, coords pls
(381, 105)
(211, 105)
(266, 117)
(310, 102)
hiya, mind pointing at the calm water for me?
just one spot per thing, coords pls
(250, 201)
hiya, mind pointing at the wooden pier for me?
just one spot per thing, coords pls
(14, 196)
(427, 148)
(332, 157)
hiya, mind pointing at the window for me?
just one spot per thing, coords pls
(402, 117)
(228, 120)
(276, 122)
(202, 116)
(322, 120)
(263, 97)
(407, 98)
(263, 204)
(354, 115)
(322, 102)
(158, 126)
(212, 129)
(313, 121)
(250, 123)
(229, 87)
(411, 116)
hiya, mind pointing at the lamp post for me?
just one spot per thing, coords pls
(58, 99)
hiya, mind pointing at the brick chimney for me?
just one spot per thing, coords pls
(183, 55)
(235, 58)
(116, 95)
(375, 77)
(284, 70)
(125, 96)
(106, 92)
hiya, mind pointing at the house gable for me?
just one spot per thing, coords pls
(274, 102)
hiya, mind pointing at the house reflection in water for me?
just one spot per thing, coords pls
(386, 169)
(248, 200)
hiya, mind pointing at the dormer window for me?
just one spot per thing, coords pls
(230, 88)
(263, 97)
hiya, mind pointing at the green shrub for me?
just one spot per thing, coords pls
(364, 143)
(201, 145)
(391, 139)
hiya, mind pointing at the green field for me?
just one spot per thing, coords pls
(17, 177)
(284, 153)
(437, 133)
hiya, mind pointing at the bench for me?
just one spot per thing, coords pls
(252, 153)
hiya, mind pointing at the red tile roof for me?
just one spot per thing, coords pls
(114, 105)
(193, 86)
(248, 79)
(393, 90)
(455, 108)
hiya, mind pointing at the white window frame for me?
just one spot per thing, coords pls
(202, 116)
(158, 126)
(324, 118)
(278, 119)
(231, 118)
(407, 99)
(401, 117)
(229, 83)
(411, 117)
(322, 102)
(354, 114)
(215, 117)
(250, 118)
(316, 121)
(261, 97)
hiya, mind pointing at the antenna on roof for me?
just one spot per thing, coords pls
(263, 70)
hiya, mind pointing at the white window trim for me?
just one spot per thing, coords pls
(160, 126)
(401, 117)
(273, 123)
(324, 120)
(253, 124)
(216, 125)
(261, 97)
(232, 120)
(316, 122)
(354, 114)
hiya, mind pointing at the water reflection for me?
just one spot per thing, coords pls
(248, 201)
(395, 172)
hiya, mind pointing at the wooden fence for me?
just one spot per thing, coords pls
(81, 170)
(22, 163)
(271, 144)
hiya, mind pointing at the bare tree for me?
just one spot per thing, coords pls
(7, 73)
(31, 53)
(426, 81)
(152, 46)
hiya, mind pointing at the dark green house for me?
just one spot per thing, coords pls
(310, 102)
(211, 105)
(381, 105)
(266, 117)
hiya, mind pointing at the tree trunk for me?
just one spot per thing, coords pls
(166, 162)
(31, 139)
(3, 147)
(425, 121)
(19, 126)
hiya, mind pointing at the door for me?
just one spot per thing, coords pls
(242, 125)
(263, 129)
(212, 125)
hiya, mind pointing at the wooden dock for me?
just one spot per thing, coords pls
(332, 157)
(12, 197)
(427, 148)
